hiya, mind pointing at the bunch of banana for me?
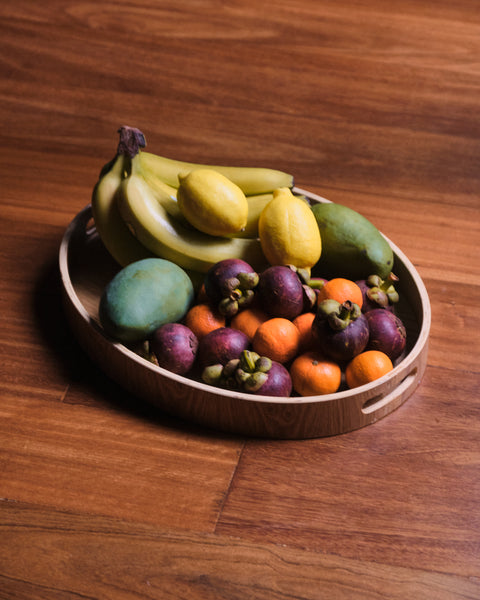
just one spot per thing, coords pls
(135, 209)
(114, 233)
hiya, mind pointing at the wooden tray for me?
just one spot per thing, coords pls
(86, 268)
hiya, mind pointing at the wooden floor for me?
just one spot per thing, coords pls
(369, 103)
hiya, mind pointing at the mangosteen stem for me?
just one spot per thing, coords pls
(248, 360)
(349, 311)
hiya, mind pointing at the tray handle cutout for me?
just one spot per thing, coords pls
(378, 402)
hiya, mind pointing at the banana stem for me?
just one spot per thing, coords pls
(131, 140)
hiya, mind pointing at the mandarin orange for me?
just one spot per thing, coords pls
(312, 374)
(304, 324)
(341, 290)
(202, 318)
(367, 367)
(248, 320)
(278, 339)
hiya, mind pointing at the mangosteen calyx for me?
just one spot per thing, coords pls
(339, 316)
(238, 292)
(309, 297)
(303, 273)
(382, 291)
(221, 375)
(247, 373)
(252, 371)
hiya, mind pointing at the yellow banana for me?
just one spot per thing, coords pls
(142, 209)
(166, 195)
(255, 206)
(251, 180)
(111, 228)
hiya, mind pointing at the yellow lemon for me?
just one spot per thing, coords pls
(288, 231)
(212, 203)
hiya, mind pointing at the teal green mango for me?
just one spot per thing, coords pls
(143, 296)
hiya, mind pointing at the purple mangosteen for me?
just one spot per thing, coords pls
(280, 292)
(175, 347)
(252, 374)
(221, 345)
(230, 284)
(387, 332)
(340, 330)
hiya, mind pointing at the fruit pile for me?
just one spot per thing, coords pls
(229, 277)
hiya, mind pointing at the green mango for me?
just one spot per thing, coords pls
(143, 296)
(352, 247)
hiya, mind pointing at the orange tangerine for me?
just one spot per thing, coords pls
(341, 290)
(278, 339)
(202, 319)
(367, 367)
(304, 324)
(248, 320)
(312, 374)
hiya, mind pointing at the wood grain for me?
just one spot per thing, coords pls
(391, 492)
(125, 561)
(371, 104)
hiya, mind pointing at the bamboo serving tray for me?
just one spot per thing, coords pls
(86, 267)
